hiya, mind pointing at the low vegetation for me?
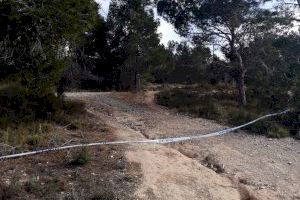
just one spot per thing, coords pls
(51, 177)
(223, 107)
(24, 131)
(80, 157)
(84, 173)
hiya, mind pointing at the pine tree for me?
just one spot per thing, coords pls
(132, 37)
(37, 43)
(232, 24)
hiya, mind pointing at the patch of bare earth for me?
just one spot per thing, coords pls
(235, 166)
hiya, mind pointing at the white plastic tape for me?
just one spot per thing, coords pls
(155, 141)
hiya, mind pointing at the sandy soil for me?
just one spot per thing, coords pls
(235, 166)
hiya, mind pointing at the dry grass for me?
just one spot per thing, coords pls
(96, 175)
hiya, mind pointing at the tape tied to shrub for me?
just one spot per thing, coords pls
(154, 141)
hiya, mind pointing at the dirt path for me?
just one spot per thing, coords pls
(235, 166)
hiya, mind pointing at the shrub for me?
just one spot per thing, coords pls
(189, 102)
(21, 105)
(239, 116)
(261, 127)
(73, 107)
(81, 157)
(223, 107)
(6, 192)
(208, 109)
(33, 140)
(277, 131)
(265, 127)
(163, 98)
(75, 125)
(32, 186)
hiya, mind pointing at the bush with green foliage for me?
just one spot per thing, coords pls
(189, 103)
(223, 107)
(81, 157)
(21, 105)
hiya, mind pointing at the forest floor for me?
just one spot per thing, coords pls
(235, 166)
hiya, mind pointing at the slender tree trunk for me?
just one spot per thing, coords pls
(242, 88)
(135, 89)
(236, 57)
(135, 85)
(241, 79)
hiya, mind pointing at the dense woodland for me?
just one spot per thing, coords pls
(48, 47)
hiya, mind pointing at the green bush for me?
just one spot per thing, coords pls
(277, 131)
(261, 127)
(189, 102)
(73, 107)
(204, 109)
(224, 108)
(32, 186)
(291, 121)
(81, 157)
(33, 140)
(163, 98)
(239, 116)
(21, 105)
(265, 127)
(9, 191)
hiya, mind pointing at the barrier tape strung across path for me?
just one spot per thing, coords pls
(156, 141)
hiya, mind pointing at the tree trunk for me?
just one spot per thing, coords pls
(135, 82)
(242, 88)
(136, 86)
(238, 60)
(241, 79)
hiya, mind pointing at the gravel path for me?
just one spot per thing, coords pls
(235, 166)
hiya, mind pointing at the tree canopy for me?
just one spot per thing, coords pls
(132, 38)
(232, 25)
(37, 42)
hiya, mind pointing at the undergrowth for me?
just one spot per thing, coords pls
(224, 108)
(20, 132)
(80, 157)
